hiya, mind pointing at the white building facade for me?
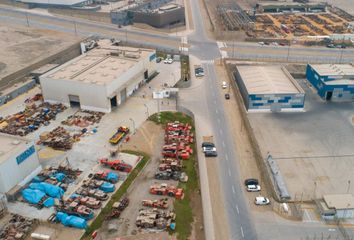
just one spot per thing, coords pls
(100, 79)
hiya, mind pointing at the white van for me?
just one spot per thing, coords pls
(224, 85)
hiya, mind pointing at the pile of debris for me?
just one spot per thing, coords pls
(58, 139)
(118, 208)
(29, 120)
(18, 227)
(83, 119)
(154, 218)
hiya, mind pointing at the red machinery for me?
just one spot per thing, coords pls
(103, 175)
(116, 165)
(165, 190)
(160, 203)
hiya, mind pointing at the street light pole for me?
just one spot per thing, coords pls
(75, 28)
(348, 186)
(147, 110)
(27, 19)
(133, 124)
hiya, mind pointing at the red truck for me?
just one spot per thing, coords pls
(116, 165)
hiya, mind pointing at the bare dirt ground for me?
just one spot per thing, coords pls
(149, 138)
(20, 47)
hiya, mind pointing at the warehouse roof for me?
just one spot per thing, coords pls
(262, 79)
(101, 65)
(339, 201)
(10, 145)
(333, 69)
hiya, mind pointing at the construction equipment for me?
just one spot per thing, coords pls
(169, 174)
(159, 203)
(154, 218)
(119, 135)
(18, 227)
(95, 193)
(86, 201)
(76, 209)
(92, 183)
(121, 205)
(174, 166)
(118, 165)
(166, 190)
(106, 176)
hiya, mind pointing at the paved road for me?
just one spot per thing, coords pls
(207, 107)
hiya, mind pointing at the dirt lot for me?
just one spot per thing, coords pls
(20, 47)
(149, 138)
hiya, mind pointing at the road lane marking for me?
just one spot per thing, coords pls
(242, 233)
(216, 111)
(223, 143)
(233, 189)
(238, 211)
(227, 157)
(218, 120)
(229, 173)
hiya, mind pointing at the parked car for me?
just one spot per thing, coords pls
(211, 154)
(199, 72)
(224, 85)
(208, 144)
(261, 43)
(158, 59)
(251, 181)
(331, 45)
(227, 96)
(253, 188)
(168, 61)
(261, 200)
(208, 149)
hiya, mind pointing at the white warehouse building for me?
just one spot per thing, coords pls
(18, 162)
(100, 79)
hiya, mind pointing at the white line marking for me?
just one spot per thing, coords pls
(233, 189)
(214, 101)
(216, 111)
(227, 157)
(229, 173)
(238, 211)
(223, 143)
(218, 120)
(242, 233)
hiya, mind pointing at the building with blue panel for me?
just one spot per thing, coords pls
(334, 82)
(18, 162)
(269, 88)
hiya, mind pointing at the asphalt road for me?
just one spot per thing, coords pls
(208, 106)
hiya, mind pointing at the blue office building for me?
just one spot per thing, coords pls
(334, 82)
(268, 88)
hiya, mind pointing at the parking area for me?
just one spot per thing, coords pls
(311, 148)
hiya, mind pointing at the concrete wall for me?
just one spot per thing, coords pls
(159, 20)
(90, 15)
(22, 88)
(340, 93)
(12, 173)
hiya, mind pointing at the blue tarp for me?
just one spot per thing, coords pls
(107, 187)
(59, 176)
(34, 196)
(71, 221)
(37, 179)
(112, 177)
(49, 189)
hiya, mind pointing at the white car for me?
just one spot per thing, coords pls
(253, 188)
(261, 43)
(209, 149)
(261, 201)
(168, 61)
(224, 85)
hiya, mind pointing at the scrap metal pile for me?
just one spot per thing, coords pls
(83, 119)
(58, 139)
(18, 228)
(29, 120)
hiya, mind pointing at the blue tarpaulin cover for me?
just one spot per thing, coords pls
(71, 221)
(112, 177)
(49, 189)
(59, 176)
(107, 187)
(34, 196)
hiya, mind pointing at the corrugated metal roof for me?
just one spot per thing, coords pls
(55, 2)
(333, 69)
(261, 79)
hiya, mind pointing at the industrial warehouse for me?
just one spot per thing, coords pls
(269, 88)
(334, 82)
(100, 79)
(19, 155)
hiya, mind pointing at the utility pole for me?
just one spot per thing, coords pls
(28, 25)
